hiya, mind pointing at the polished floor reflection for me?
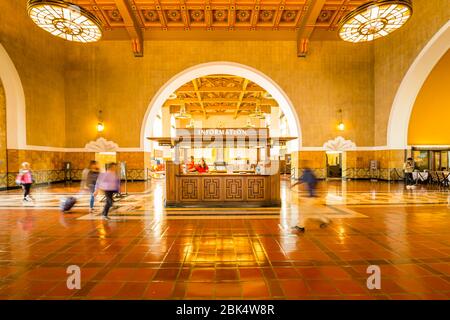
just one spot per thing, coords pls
(147, 252)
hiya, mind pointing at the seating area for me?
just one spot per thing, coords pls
(439, 179)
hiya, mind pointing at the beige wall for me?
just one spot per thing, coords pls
(395, 54)
(39, 59)
(3, 163)
(107, 76)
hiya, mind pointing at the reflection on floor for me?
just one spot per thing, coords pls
(149, 252)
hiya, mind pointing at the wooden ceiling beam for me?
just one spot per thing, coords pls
(132, 26)
(199, 97)
(176, 109)
(177, 102)
(219, 89)
(307, 26)
(241, 96)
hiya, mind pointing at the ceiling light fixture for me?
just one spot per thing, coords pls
(183, 114)
(374, 20)
(65, 20)
(257, 114)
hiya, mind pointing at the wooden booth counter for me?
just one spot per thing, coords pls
(221, 189)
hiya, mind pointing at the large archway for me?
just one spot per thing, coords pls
(15, 102)
(222, 67)
(397, 133)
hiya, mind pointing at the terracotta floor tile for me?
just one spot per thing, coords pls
(159, 290)
(294, 288)
(133, 290)
(286, 273)
(105, 289)
(228, 289)
(321, 287)
(246, 274)
(255, 289)
(200, 289)
(350, 287)
(203, 275)
(221, 258)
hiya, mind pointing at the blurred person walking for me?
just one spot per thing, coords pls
(25, 179)
(309, 178)
(90, 176)
(108, 182)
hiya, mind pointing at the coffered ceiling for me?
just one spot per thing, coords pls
(220, 19)
(221, 95)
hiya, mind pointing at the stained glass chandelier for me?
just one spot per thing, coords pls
(65, 20)
(374, 20)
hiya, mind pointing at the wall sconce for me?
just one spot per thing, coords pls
(100, 124)
(341, 125)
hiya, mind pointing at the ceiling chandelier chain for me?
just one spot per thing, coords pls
(65, 20)
(374, 20)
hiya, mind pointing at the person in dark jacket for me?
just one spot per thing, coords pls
(91, 180)
(312, 208)
(310, 180)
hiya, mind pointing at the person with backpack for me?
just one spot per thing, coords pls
(25, 179)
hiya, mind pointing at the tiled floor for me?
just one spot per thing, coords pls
(147, 252)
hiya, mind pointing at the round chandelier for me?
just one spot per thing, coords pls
(374, 20)
(65, 20)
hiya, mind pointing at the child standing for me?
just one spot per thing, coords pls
(25, 179)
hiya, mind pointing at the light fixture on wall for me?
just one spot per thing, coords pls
(100, 124)
(341, 125)
(374, 20)
(65, 20)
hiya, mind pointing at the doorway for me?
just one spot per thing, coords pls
(103, 158)
(334, 165)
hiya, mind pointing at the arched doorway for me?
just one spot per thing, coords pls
(15, 102)
(222, 67)
(410, 87)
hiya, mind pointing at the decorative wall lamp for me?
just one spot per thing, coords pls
(341, 125)
(100, 124)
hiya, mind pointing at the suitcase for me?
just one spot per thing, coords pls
(67, 203)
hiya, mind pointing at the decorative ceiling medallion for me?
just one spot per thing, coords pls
(150, 15)
(266, 15)
(243, 15)
(101, 145)
(339, 144)
(173, 15)
(65, 20)
(220, 15)
(197, 15)
(288, 15)
(374, 20)
(114, 15)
